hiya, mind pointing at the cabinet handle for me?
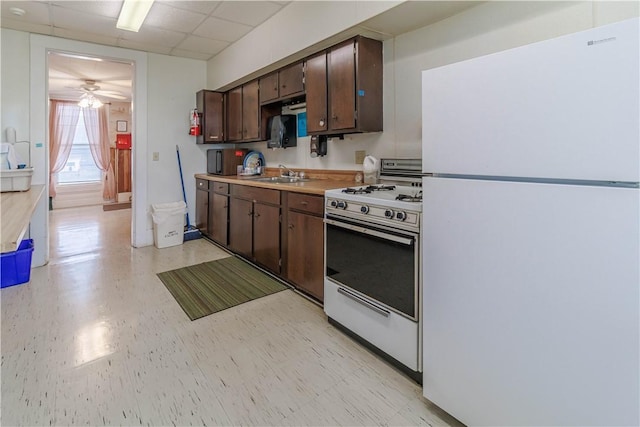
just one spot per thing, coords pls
(290, 226)
(250, 213)
(257, 215)
(304, 203)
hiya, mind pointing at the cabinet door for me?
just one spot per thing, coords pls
(212, 116)
(342, 87)
(251, 111)
(316, 88)
(241, 226)
(269, 88)
(202, 207)
(291, 80)
(266, 236)
(305, 252)
(234, 114)
(219, 218)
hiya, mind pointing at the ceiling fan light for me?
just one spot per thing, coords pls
(96, 103)
(133, 14)
(84, 103)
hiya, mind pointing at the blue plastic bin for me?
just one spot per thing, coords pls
(15, 267)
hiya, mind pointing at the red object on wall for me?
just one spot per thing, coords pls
(123, 141)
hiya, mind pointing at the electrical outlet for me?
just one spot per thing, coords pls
(360, 156)
(156, 156)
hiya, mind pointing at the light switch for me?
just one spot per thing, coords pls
(156, 156)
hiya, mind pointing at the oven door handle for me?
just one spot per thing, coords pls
(363, 301)
(398, 239)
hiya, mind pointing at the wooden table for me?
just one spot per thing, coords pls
(16, 208)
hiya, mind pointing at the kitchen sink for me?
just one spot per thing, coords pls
(282, 179)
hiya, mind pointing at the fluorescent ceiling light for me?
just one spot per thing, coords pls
(133, 14)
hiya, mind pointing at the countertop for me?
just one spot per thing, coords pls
(16, 208)
(315, 186)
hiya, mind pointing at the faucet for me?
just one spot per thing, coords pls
(288, 172)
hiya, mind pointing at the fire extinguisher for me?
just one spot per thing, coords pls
(194, 128)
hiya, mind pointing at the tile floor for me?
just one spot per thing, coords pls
(96, 339)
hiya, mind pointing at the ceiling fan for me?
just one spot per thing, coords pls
(91, 88)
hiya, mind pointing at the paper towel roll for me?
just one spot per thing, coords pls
(370, 167)
(11, 135)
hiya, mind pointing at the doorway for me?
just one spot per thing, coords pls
(96, 95)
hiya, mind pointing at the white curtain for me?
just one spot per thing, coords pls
(63, 119)
(96, 122)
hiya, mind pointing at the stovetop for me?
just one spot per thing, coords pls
(385, 195)
(395, 206)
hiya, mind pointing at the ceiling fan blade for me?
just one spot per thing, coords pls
(110, 94)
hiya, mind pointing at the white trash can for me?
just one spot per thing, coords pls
(168, 223)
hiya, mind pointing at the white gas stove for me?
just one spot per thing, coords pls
(372, 262)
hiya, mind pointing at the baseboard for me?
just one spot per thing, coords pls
(116, 206)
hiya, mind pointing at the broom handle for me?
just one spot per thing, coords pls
(184, 194)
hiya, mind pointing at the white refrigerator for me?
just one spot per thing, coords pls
(531, 235)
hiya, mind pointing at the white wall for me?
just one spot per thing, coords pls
(172, 87)
(483, 29)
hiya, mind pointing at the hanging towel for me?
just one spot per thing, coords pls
(9, 157)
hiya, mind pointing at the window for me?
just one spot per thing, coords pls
(80, 167)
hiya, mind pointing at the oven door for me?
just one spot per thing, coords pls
(377, 262)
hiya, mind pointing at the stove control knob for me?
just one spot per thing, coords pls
(364, 209)
(342, 205)
(401, 216)
(333, 203)
(389, 214)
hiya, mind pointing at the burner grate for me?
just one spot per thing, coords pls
(381, 187)
(360, 190)
(409, 198)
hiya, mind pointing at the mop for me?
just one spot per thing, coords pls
(190, 232)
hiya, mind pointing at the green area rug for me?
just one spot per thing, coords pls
(214, 286)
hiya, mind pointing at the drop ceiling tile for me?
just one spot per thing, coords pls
(202, 45)
(27, 27)
(145, 47)
(193, 55)
(80, 21)
(108, 9)
(214, 28)
(251, 13)
(205, 7)
(154, 36)
(85, 37)
(36, 13)
(171, 18)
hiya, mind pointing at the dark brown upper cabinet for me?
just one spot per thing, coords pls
(243, 113)
(344, 88)
(284, 84)
(210, 105)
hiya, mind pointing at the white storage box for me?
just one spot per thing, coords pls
(168, 223)
(15, 179)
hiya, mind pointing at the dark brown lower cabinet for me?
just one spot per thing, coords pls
(219, 218)
(241, 226)
(202, 206)
(305, 243)
(254, 225)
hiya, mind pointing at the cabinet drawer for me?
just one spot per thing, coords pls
(256, 194)
(202, 184)
(306, 203)
(220, 187)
